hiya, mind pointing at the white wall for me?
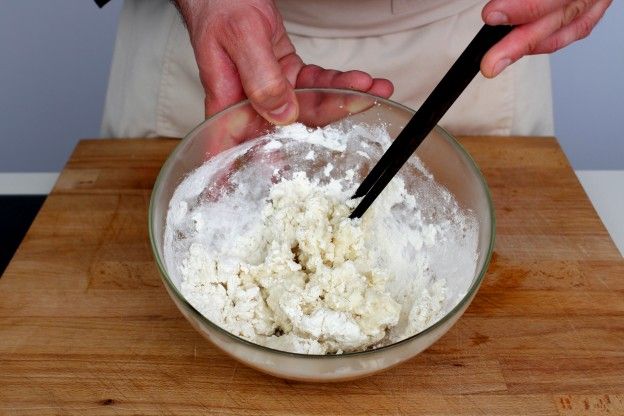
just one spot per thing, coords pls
(55, 57)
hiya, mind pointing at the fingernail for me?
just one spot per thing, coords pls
(284, 114)
(278, 111)
(496, 18)
(501, 65)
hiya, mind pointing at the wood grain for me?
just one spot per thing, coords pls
(86, 326)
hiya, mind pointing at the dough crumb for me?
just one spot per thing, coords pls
(259, 241)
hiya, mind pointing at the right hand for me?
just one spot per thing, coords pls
(243, 51)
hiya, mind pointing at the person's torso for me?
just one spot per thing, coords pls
(355, 18)
(155, 89)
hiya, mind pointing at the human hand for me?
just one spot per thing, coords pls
(543, 26)
(242, 50)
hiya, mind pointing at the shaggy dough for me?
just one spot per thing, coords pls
(304, 281)
(269, 254)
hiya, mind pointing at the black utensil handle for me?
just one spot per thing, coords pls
(428, 115)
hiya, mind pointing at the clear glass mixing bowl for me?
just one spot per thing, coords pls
(449, 163)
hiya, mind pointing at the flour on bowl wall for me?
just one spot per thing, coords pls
(259, 241)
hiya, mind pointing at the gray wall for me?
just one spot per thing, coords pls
(55, 57)
(54, 61)
(588, 93)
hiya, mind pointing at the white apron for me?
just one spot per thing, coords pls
(154, 87)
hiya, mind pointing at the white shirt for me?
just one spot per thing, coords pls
(358, 18)
(154, 87)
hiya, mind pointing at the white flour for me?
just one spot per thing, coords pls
(267, 251)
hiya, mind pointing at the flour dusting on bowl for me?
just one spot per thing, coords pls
(259, 240)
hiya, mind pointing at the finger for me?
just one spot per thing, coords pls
(313, 76)
(523, 40)
(219, 78)
(323, 108)
(331, 107)
(319, 108)
(291, 65)
(580, 28)
(287, 57)
(381, 87)
(247, 40)
(517, 12)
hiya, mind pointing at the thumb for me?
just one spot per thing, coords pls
(263, 81)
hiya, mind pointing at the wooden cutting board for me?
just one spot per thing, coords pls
(86, 326)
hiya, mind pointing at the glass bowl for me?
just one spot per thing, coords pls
(441, 154)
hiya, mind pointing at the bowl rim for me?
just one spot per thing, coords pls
(443, 320)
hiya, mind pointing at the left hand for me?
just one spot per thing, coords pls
(543, 26)
(242, 51)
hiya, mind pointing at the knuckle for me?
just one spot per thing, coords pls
(535, 9)
(573, 10)
(308, 75)
(233, 28)
(557, 43)
(554, 44)
(291, 59)
(584, 28)
(269, 91)
(239, 25)
(531, 46)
